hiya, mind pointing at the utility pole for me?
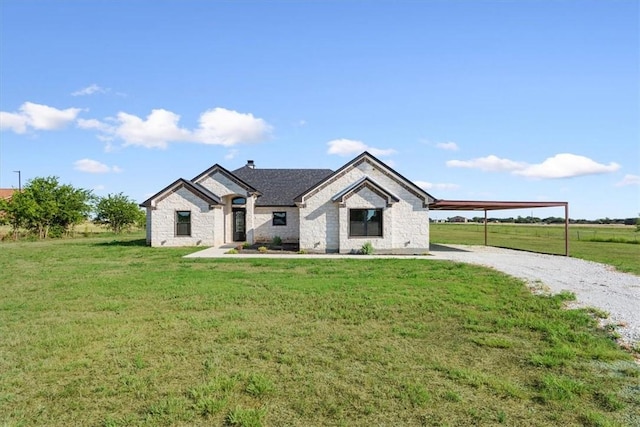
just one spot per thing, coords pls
(19, 181)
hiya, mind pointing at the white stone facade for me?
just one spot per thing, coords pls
(222, 186)
(265, 231)
(319, 221)
(324, 224)
(206, 222)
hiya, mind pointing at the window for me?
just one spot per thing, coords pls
(365, 222)
(183, 223)
(238, 201)
(279, 218)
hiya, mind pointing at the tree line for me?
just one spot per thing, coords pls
(553, 220)
(47, 208)
(559, 220)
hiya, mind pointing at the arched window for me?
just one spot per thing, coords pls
(239, 201)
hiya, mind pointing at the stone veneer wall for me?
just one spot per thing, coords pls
(226, 189)
(149, 226)
(264, 231)
(366, 199)
(321, 221)
(206, 223)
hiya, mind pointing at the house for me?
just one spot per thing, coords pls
(320, 209)
(7, 193)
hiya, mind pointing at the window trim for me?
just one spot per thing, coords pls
(366, 235)
(284, 218)
(179, 223)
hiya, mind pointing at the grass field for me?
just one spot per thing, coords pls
(105, 332)
(614, 245)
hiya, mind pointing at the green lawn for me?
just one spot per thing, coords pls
(104, 332)
(615, 245)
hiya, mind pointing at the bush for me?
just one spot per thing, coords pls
(277, 241)
(245, 417)
(367, 249)
(262, 249)
(232, 251)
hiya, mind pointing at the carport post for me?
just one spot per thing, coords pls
(566, 229)
(485, 227)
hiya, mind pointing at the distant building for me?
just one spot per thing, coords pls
(7, 193)
(457, 219)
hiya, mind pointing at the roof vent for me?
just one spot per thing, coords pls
(250, 164)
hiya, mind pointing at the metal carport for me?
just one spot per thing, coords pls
(478, 205)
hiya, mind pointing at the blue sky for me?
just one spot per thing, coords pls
(473, 100)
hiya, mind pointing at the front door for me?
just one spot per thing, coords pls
(239, 229)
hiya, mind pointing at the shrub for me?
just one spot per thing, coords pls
(232, 251)
(277, 241)
(262, 249)
(245, 245)
(259, 385)
(245, 417)
(367, 248)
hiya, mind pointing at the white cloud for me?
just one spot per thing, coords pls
(37, 116)
(231, 154)
(94, 166)
(161, 127)
(93, 124)
(99, 187)
(490, 163)
(566, 165)
(436, 186)
(349, 147)
(89, 90)
(13, 121)
(227, 127)
(449, 146)
(629, 180)
(563, 165)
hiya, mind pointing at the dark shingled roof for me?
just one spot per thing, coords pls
(280, 186)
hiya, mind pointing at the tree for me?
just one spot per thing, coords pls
(74, 207)
(118, 212)
(44, 205)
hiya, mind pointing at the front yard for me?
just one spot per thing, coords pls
(110, 332)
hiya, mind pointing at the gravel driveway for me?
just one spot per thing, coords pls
(595, 285)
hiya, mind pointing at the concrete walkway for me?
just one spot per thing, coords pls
(449, 252)
(220, 252)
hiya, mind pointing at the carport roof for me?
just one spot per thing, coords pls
(492, 205)
(484, 205)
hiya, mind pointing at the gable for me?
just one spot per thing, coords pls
(198, 190)
(366, 187)
(366, 161)
(223, 182)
